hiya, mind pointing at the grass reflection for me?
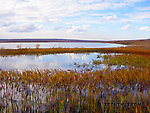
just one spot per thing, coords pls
(73, 91)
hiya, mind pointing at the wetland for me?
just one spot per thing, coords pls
(74, 80)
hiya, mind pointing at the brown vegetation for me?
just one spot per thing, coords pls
(136, 44)
(71, 50)
(89, 91)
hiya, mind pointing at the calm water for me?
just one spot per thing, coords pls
(52, 61)
(58, 44)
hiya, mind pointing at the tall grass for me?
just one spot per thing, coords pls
(63, 91)
(70, 50)
(126, 60)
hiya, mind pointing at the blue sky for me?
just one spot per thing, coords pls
(75, 19)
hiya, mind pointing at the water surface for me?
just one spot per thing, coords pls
(58, 44)
(52, 61)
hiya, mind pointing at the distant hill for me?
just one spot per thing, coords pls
(132, 42)
(126, 42)
(46, 40)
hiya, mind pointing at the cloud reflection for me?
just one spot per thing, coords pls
(52, 61)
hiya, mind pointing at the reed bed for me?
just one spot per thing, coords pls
(4, 52)
(126, 60)
(63, 91)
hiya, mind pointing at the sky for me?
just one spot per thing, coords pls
(75, 19)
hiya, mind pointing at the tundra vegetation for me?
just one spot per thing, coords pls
(40, 51)
(125, 88)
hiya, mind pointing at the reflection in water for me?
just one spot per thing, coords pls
(51, 61)
(65, 61)
(58, 44)
(36, 98)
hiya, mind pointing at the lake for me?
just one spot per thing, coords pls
(52, 61)
(64, 61)
(59, 44)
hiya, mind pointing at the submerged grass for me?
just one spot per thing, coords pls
(90, 91)
(129, 60)
(136, 61)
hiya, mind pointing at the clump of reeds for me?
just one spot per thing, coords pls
(88, 91)
(136, 61)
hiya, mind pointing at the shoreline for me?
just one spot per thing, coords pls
(41, 51)
(133, 46)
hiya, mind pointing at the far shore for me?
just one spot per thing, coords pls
(136, 44)
(142, 43)
(134, 47)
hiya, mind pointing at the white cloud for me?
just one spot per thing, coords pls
(143, 8)
(140, 15)
(100, 14)
(110, 18)
(88, 1)
(58, 28)
(53, 20)
(24, 28)
(77, 29)
(127, 1)
(47, 10)
(53, 11)
(135, 0)
(5, 23)
(15, 13)
(126, 27)
(145, 28)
